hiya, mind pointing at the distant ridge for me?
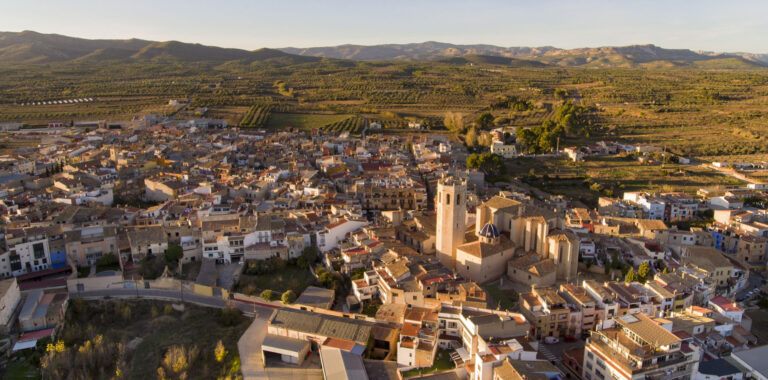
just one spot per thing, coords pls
(33, 47)
(623, 56)
(30, 47)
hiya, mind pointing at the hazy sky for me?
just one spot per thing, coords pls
(724, 25)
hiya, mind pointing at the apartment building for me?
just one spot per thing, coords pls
(640, 349)
(418, 338)
(26, 251)
(547, 312)
(583, 309)
(85, 246)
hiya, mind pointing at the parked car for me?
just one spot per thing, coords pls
(551, 340)
(570, 338)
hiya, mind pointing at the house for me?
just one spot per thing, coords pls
(574, 153)
(504, 150)
(709, 262)
(726, 203)
(727, 308)
(315, 297)
(10, 296)
(331, 235)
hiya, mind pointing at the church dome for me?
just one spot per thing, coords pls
(489, 231)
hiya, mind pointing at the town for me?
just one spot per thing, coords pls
(381, 256)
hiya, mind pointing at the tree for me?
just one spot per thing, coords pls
(561, 93)
(527, 138)
(489, 163)
(288, 297)
(485, 120)
(107, 261)
(307, 258)
(219, 352)
(631, 277)
(268, 295)
(454, 121)
(174, 253)
(470, 139)
(643, 272)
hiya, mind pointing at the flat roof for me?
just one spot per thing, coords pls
(283, 344)
(316, 297)
(342, 365)
(321, 324)
(754, 358)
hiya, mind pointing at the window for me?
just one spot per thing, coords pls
(448, 199)
(39, 250)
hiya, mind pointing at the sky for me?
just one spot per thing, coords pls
(724, 25)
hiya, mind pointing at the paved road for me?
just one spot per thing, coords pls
(754, 281)
(249, 345)
(176, 295)
(728, 172)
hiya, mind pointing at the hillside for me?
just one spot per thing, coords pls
(491, 60)
(625, 56)
(32, 47)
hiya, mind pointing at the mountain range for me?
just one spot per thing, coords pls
(30, 47)
(623, 56)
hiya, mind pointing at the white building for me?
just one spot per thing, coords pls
(654, 208)
(504, 150)
(331, 235)
(27, 252)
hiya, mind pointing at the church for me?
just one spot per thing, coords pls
(504, 229)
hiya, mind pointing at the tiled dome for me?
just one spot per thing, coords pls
(489, 231)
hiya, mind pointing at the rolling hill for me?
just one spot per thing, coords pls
(32, 47)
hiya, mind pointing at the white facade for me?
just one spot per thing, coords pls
(504, 150)
(330, 237)
(30, 256)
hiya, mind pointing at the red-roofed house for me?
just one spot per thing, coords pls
(727, 308)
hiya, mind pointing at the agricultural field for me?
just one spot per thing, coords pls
(302, 120)
(697, 113)
(353, 125)
(612, 176)
(257, 116)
